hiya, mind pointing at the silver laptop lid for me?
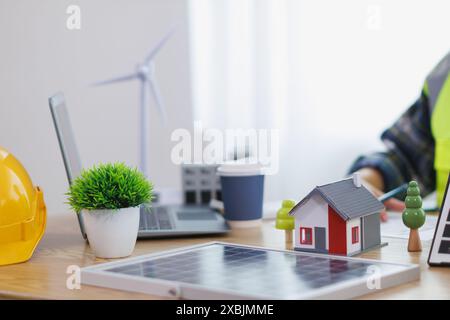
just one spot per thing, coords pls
(67, 144)
(65, 135)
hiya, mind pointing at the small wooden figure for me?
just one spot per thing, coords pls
(413, 216)
(286, 222)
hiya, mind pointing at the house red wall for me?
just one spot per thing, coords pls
(337, 233)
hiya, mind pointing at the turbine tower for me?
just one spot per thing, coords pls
(145, 73)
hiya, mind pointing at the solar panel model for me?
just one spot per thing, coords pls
(220, 270)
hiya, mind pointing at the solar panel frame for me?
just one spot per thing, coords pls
(101, 275)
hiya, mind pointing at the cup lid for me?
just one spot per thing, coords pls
(244, 167)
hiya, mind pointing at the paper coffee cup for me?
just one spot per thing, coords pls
(242, 193)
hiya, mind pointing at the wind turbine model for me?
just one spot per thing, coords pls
(145, 73)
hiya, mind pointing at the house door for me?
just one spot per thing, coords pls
(319, 239)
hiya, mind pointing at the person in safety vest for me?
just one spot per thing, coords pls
(418, 144)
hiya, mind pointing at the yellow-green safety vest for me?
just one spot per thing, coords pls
(437, 90)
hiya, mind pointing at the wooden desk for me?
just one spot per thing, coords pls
(44, 276)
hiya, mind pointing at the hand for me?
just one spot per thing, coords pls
(391, 204)
(373, 181)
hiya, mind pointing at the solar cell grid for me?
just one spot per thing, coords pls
(254, 271)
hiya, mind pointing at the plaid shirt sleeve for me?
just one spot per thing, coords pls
(410, 150)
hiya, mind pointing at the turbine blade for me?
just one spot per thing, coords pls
(157, 98)
(115, 80)
(143, 139)
(160, 44)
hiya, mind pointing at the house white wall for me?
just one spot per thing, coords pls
(352, 248)
(313, 213)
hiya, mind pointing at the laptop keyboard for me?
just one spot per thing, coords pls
(155, 219)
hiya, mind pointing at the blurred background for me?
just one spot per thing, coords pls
(330, 75)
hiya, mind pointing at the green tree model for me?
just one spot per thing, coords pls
(285, 221)
(413, 216)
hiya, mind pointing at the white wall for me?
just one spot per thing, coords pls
(331, 75)
(39, 56)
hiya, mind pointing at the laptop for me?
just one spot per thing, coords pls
(155, 220)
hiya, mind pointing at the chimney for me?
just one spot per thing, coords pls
(357, 179)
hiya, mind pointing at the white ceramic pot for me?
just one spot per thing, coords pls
(112, 233)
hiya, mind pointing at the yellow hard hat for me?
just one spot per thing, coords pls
(22, 211)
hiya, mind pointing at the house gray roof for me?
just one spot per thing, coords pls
(348, 200)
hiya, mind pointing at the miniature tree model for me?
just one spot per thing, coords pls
(413, 216)
(285, 221)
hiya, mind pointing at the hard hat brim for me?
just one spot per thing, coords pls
(21, 251)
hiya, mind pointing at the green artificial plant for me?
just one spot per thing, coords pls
(109, 186)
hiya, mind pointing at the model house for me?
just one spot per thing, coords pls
(338, 218)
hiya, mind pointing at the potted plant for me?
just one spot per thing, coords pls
(108, 196)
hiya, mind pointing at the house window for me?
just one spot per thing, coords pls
(305, 235)
(355, 235)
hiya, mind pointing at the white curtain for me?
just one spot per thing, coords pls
(330, 75)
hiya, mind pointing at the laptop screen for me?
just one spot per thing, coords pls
(65, 135)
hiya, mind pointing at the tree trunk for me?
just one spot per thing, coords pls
(414, 244)
(288, 239)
